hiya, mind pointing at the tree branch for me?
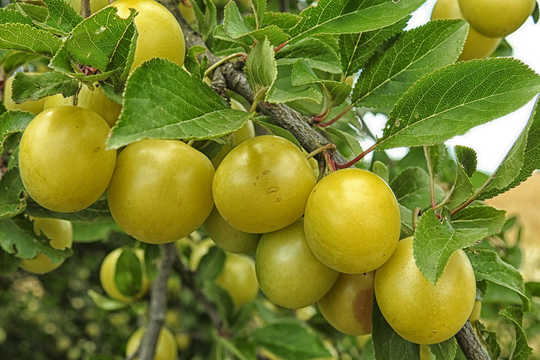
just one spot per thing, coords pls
(235, 80)
(85, 8)
(158, 304)
(470, 345)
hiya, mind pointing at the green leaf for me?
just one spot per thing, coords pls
(206, 16)
(462, 190)
(259, 9)
(381, 170)
(85, 232)
(37, 13)
(346, 144)
(97, 211)
(446, 350)
(357, 49)
(387, 343)
(277, 130)
(476, 217)
(62, 18)
(128, 274)
(316, 53)
(412, 188)
(327, 17)
(104, 302)
(261, 69)
(9, 16)
(283, 91)
(12, 200)
(13, 122)
(467, 158)
(220, 297)
(26, 38)
(406, 221)
(233, 21)
(415, 54)
(192, 63)
(504, 49)
(37, 86)
(290, 339)
(211, 265)
(520, 162)
(457, 98)
(8, 263)
(18, 238)
(103, 42)
(489, 339)
(11, 60)
(176, 106)
(436, 240)
(521, 350)
(337, 91)
(490, 267)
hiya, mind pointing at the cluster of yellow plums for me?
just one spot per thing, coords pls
(490, 21)
(333, 242)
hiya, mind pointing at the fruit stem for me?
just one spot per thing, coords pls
(358, 158)
(76, 96)
(431, 176)
(280, 46)
(321, 149)
(330, 161)
(339, 116)
(221, 62)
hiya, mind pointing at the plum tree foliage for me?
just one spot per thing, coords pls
(163, 161)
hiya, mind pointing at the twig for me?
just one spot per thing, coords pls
(470, 345)
(85, 8)
(339, 116)
(158, 303)
(320, 150)
(358, 158)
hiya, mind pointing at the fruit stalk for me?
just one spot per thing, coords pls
(158, 305)
(470, 345)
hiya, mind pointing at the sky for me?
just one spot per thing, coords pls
(492, 140)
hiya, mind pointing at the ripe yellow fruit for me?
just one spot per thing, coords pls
(348, 305)
(496, 18)
(262, 185)
(165, 348)
(94, 100)
(477, 46)
(288, 273)
(107, 273)
(239, 279)
(160, 35)
(198, 251)
(352, 221)
(187, 11)
(477, 310)
(417, 310)
(161, 190)
(95, 5)
(227, 237)
(60, 234)
(63, 162)
(34, 107)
